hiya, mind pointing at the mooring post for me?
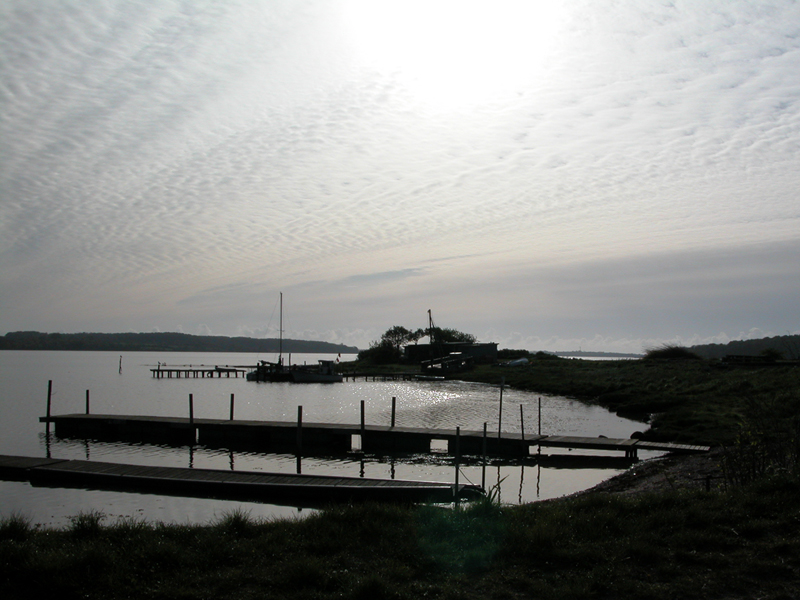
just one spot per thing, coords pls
(521, 423)
(540, 415)
(299, 430)
(191, 409)
(231, 407)
(483, 469)
(394, 405)
(458, 453)
(362, 424)
(87, 402)
(500, 416)
(49, 396)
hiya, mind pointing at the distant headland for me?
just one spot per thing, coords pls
(163, 342)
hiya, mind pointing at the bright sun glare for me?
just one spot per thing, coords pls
(452, 54)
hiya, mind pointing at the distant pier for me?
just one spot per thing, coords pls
(195, 372)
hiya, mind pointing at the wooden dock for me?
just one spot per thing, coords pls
(333, 438)
(303, 490)
(196, 372)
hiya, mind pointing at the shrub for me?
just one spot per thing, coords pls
(670, 352)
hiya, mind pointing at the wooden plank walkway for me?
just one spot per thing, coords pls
(278, 436)
(195, 373)
(311, 490)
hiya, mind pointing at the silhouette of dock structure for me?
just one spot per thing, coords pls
(178, 372)
(335, 438)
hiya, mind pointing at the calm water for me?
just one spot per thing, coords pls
(24, 377)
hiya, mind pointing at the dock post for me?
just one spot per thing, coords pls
(49, 397)
(458, 453)
(394, 405)
(362, 424)
(87, 402)
(522, 428)
(500, 416)
(540, 415)
(191, 409)
(231, 407)
(299, 430)
(483, 469)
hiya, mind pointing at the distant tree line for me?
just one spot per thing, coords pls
(781, 346)
(162, 342)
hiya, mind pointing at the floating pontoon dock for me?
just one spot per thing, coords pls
(309, 490)
(334, 438)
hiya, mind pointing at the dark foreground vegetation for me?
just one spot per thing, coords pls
(742, 542)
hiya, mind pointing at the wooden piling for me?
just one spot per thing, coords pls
(191, 409)
(362, 423)
(458, 456)
(87, 402)
(231, 407)
(394, 406)
(299, 430)
(483, 469)
(500, 416)
(49, 397)
(521, 424)
(540, 415)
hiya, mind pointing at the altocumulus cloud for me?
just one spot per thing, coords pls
(175, 165)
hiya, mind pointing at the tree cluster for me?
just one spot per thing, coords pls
(389, 349)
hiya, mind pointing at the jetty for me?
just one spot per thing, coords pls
(335, 438)
(305, 490)
(162, 372)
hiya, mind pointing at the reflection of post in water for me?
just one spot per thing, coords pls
(191, 456)
(86, 448)
(361, 471)
(521, 476)
(391, 468)
(299, 465)
(230, 457)
(538, 475)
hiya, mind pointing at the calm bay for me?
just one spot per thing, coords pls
(24, 377)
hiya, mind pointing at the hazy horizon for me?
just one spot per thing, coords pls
(547, 176)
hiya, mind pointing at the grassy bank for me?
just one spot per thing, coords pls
(738, 543)
(687, 401)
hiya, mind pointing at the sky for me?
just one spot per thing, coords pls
(605, 175)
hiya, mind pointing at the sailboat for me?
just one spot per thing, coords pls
(277, 372)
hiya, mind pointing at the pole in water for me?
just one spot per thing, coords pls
(120, 363)
(362, 422)
(500, 416)
(299, 431)
(521, 423)
(191, 409)
(394, 406)
(458, 452)
(49, 396)
(540, 415)
(87, 402)
(483, 469)
(231, 407)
